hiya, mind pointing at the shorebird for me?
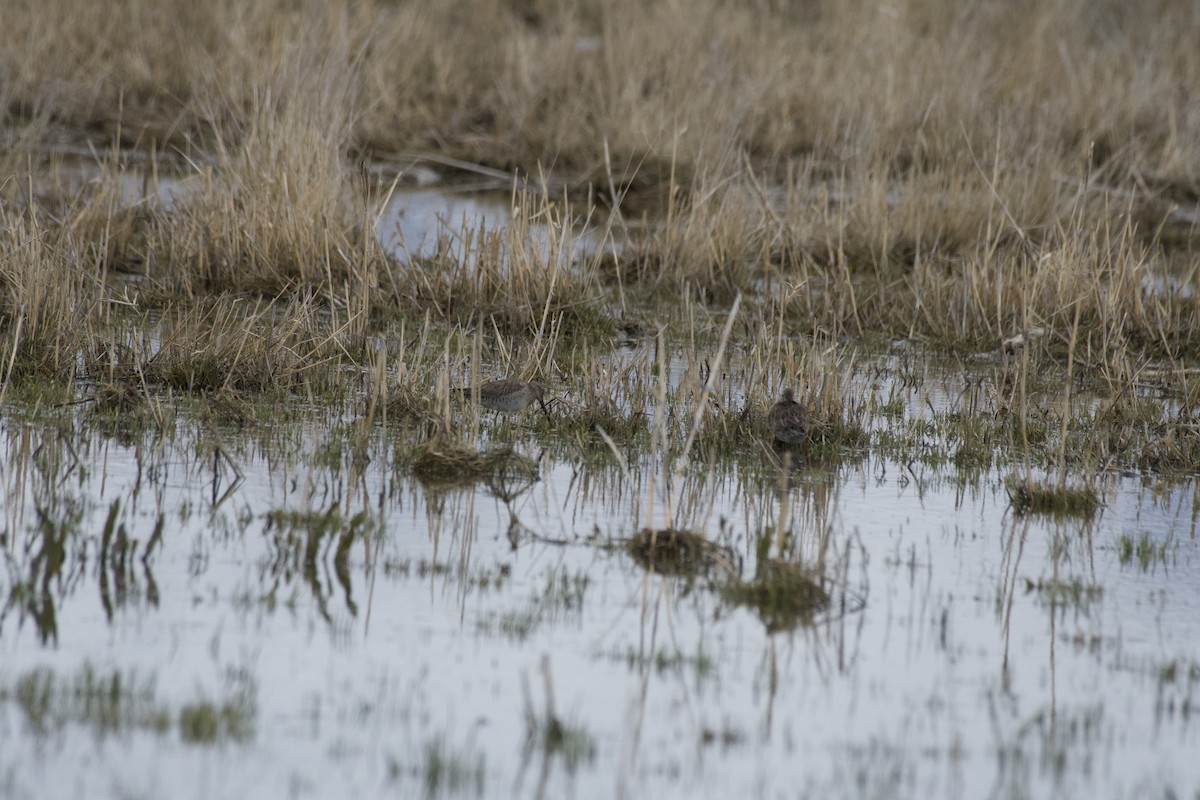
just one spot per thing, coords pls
(509, 395)
(788, 420)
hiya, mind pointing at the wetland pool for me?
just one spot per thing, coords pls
(189, 609)
(197, 611)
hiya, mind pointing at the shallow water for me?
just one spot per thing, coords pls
(428, 217)
(425, 214)
(984, 654)
(242, 652)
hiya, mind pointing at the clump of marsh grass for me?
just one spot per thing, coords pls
(118, 398)
(1176, 449)
(727, 428)
(1031, 497)
(452, 464)
(611, 393)
(673, 551)
(125, 412)
(228, 406)
(707, 251)
(273, 211)
(597, 412)
(504, 91)
(248, 347)
(49, 296)
(407, 404)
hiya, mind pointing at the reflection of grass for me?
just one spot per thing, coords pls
(561, 598)
(549, 733)
(554, 737)
(297, 537)
(784, 595)
(205, 722)
(108, 703)
(443, 771)
(675, 552)
(1063, 742)
(1073, 593)
(300, 542)
(728, 737)
(1177, 682)
(1028, 497)
(667, 662)
(316, 524)
(481, 578)
(54, 558)
(453, 464)
(1147, 552)
(1175, 670)
(119, 702)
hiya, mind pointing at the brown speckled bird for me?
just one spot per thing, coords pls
(788, 419)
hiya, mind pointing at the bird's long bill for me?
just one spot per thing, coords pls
(545, 410)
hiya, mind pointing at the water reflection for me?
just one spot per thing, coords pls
(341, 623)
(428, 221)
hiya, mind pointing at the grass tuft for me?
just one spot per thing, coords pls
(454, 464)
(1030, 497)
(676, 552)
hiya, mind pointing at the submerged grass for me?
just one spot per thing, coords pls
(1144, 550)
(560, 598)
(110, 703)
(206, 722)
(455, 464)
(443, 771)
(783, 594)
(1073, 593)
(1057, 500)
(117, 703)
(676, 552)
(549, 734)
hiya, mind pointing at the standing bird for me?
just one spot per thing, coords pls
(509, 395)
(788, 419)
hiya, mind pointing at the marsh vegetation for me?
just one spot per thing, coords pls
(255, 534)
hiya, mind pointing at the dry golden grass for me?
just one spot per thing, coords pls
(513, 279)
(221, 346)
(49, 292)
(960, 173)
(854, 88)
